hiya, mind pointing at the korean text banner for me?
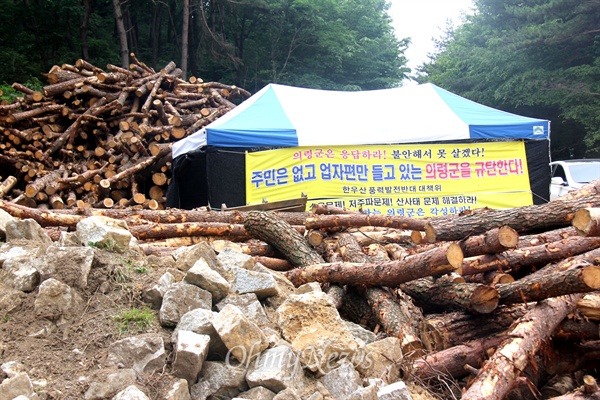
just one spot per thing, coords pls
(421, 180)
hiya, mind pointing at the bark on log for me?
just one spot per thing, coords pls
(269, 228)
(397, 316)
(500, 372)
(472, 297)
(437, 261)
(552, 215)
(162, 231)
(589, 306)
(535, 256)
(452, 361)
(7, 185)
(356, 220)
(547, 237)
(324, 209)
(276, 264)
(582, 279)
(496, 240)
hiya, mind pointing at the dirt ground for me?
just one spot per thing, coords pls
(63, 359)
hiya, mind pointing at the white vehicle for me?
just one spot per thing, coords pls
(569, 175)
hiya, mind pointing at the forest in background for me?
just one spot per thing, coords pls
(538, 58)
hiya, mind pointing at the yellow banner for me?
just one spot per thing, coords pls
(422, 180)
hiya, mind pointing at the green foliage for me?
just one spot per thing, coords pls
(9, 94)
(134, 320)
(534, 57)
(315, 43)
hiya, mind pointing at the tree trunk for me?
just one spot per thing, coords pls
(515, 260)
(185, 37)
(452, 361)
(122, 33)
(582, 279)
(524, 340)
(437, 261)
(587, 221)
(356, 220)
(552, 215)
(495, 240)
(269, 228)
(472, 297)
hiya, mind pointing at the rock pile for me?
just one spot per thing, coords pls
(229, 327)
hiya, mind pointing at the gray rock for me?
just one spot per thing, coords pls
(131, 393)
(230, 259)
(276, 369)
(365, 393)
(154, 295)
(70, 265)
(244, 339)
(19, 273)
(26, 229)
(380, 359)
(4, 218)
(18, 385)
(56, 301)
(308, 287)
(190, 352)
(312, 324)
(187, 257)
(257, 393)
(395, 391)
(113, 383)
(259, 283)
(181, 298)
(365, 335)
(200, 321)
(219, 380)
(342, 381)
(179, 391)
(105, 233)
(250, 306)
(144, 353)
(287, 394)
(203, 276)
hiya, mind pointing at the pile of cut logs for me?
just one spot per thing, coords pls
(496, 304)
(102, 137)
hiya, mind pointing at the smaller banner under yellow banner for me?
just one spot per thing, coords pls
(423, 180)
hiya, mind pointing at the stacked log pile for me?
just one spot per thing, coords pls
(497, 304)
(102, 138)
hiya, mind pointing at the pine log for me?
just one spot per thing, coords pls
(366, 236)
(471, 297)
(452, 361)
(437, 261)
(524, 340)
(526, 219)
(272, 229)
(530, 257)
(161, 231)
(324, 209)
(442, 331)
(357, 220)
(276, 264)
(496, 240)
(7, 185)
(546, 237)
(589, 306)
(587, 221)
(581, 279)
(39, 184)
(588, 391)
(399, 317)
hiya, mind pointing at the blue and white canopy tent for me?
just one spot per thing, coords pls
(209, 165)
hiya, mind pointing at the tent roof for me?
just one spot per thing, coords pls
(286, 116)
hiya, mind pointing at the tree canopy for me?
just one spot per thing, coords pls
(534, 57)
(332, 44)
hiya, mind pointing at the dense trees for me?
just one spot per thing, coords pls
(334, 44)
(540, 58)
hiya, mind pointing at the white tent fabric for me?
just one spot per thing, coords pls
(286, 116)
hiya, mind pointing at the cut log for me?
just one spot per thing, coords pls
(398, 316)
(546, 237)
(587, 221)
(437, 261)
(276, 264)
(324, 209)
(582, 279)
(526, 219)
(162, 231)
(535, 256)
(471, 297)
(357, 220)
(7, 185)
(451, 362)
(272, 229)
(589, 306)
(496, 240)
(524, 340)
